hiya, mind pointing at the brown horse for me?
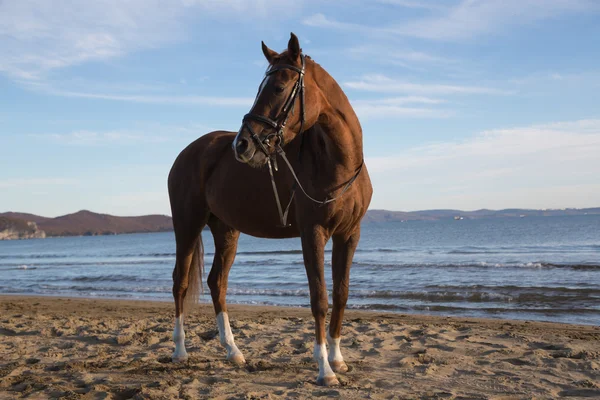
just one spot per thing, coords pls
(300, 111)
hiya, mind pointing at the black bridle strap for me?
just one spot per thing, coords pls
(327, 200)
(298, 90)
(262, 119)
(282, 215)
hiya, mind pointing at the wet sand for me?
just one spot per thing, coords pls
(112, 349)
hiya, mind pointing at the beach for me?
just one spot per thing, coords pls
(73, 348)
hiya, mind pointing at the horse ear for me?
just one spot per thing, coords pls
(294, 49)
(269, 54)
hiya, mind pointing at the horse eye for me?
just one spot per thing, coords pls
(279, 89)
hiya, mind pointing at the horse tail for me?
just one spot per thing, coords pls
(196, 272)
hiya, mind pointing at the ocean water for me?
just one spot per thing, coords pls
(540, 268)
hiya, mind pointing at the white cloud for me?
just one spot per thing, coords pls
(320, 20)
(587, 78)
(427, 5)
(384, 84)
(472, 18)
(38, 36)
(551, 165)
(87, 138)
(131, 92)
(164, 99)
(148, 133)
(402, 57)
(465, 20)
(26, 182)
(399, 107)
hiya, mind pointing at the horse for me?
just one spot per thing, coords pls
(220, 180)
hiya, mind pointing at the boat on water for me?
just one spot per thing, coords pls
(458, 218)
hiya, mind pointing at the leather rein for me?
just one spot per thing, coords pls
(276, 140)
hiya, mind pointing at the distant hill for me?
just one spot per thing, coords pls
(14, 225)
(432, 215)
(15, 228)
(87, 223)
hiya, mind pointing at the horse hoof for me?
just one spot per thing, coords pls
(328, 381)
(338, 366)
(237, 359)
(179, 358)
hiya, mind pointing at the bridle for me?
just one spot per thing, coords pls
(288, 107)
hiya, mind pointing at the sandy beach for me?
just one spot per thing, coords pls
(110, 349)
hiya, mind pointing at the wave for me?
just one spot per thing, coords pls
(172, 254)
(107, 278)
(278, 262)
(480, 264)
(514, 295)
(104, 289)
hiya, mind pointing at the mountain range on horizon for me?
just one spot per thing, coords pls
(16, 225)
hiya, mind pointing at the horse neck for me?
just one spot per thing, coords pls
(338, 122)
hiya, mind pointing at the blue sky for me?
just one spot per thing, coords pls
(464, 104)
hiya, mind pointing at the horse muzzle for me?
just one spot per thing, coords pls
(243, 148)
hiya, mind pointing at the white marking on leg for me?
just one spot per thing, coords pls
(226, 338)
(180, 354)
(326, 374)
(334, 349)
(336, 361)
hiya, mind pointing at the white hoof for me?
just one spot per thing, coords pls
(178, 357)
(328, 381)
(338, 366)
(237, 358)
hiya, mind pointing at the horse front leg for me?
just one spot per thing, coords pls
(226, 239)
(344, 247)
(313, 244)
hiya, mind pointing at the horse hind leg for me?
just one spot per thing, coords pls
(344, 247)
(226, 239)
(187, 276)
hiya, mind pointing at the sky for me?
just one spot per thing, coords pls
(464, 104)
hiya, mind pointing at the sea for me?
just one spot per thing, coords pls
(534, 268)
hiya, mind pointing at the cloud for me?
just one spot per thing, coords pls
(164, 99)
(471, 18)
(321, 21)
(427, 5)
(87, 138)
(401, 57)
(38, 36)
(400, 107)
(383, 84)
(25, 182)
(587, 78)
(131, 92)
(158, 134)
(466, 20)
(540, 166)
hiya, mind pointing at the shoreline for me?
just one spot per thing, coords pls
(205, 308)
(104, 348)
(206, 302)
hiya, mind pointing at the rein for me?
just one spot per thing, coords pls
(279, 127)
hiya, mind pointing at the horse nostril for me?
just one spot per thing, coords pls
(241, 146)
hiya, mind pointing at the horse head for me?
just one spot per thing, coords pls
(279, 112)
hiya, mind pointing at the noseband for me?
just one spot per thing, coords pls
(279, 127)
